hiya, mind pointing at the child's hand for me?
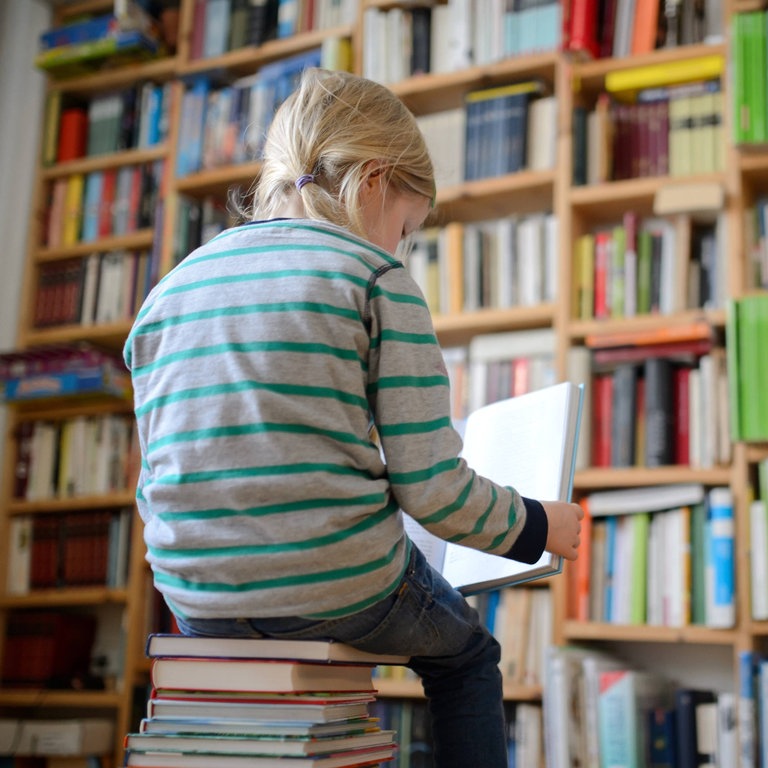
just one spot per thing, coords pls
(564, 528)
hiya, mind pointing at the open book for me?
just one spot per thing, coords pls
(527, 442)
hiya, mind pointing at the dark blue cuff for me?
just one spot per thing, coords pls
(530, 544)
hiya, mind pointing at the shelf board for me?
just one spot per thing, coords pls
(646, 633)
(218, 181)
(621, 477)
(589, 76)
(42, 697)
(123, 76)
(428, 93)
(247, 60)
(411, 689)
(106, 161)
(498, 197)
(141, 238)
(112, 335)
(454, 330)
(104, 501)
(608, 201)
(578, 330)
(65, 596)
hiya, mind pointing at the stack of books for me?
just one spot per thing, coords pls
(257, 703)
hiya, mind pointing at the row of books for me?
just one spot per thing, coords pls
(257, 702)
(61, 743)
(671, 130)
(400, 42)
(670, 408)
(747, 336)
(660, 555)
(522, 621)
(651, 265)
(198, 221)
(98, 288)
(48, 649)
(496, 366)
(61, 369)
(616, 713)
(219, 26)
(490, 264)
(79, 456)
(226, 125)
(131, 118)
(618, 28)
(85, 207)
(480, 140)
(70, 550)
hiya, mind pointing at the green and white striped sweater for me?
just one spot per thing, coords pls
(258, 365)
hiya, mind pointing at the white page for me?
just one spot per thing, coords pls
(529, 443)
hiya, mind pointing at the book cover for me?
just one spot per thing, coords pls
(175, 645)
(498, 443)
(252, 675)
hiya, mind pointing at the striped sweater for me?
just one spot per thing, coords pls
(258, 366)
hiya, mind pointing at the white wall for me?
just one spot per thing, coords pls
(21, 102)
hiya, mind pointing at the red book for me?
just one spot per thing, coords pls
(583, 28)
(602, 395)
(73, 134)
(106, 205)
(603, 246)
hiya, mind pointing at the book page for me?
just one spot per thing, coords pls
(529, 443)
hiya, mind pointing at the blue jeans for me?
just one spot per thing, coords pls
(455, 656)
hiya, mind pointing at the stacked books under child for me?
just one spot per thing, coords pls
(232, 702)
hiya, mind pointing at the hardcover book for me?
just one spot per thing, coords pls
(528, 442)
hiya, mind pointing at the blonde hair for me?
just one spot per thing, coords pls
(339, 127)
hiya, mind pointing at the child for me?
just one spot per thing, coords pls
(259, 365)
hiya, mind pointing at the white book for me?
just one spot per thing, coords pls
(527, 442)
(758, 558)
(651, 498)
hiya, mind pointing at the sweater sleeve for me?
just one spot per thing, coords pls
(409, 394)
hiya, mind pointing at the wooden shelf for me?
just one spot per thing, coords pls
(578, 330)
(218, 181)
(604, 203)
(106, 161)
(112, 335)
(247, 60)
(515, 193)
(589, 77)
(575, 630)
(133, 241)
(455, 330)
(411, 689)
(615, 477)
(122, 77)
(70, 699)
(63, 597)
(105, 501)
(437, 92)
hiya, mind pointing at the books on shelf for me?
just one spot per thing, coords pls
(26, 737)
(529, 443)
(259, 702)
(62, 369)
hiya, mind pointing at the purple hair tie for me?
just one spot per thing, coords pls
(307, 178)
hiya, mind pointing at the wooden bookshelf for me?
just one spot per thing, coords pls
(577, 208)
